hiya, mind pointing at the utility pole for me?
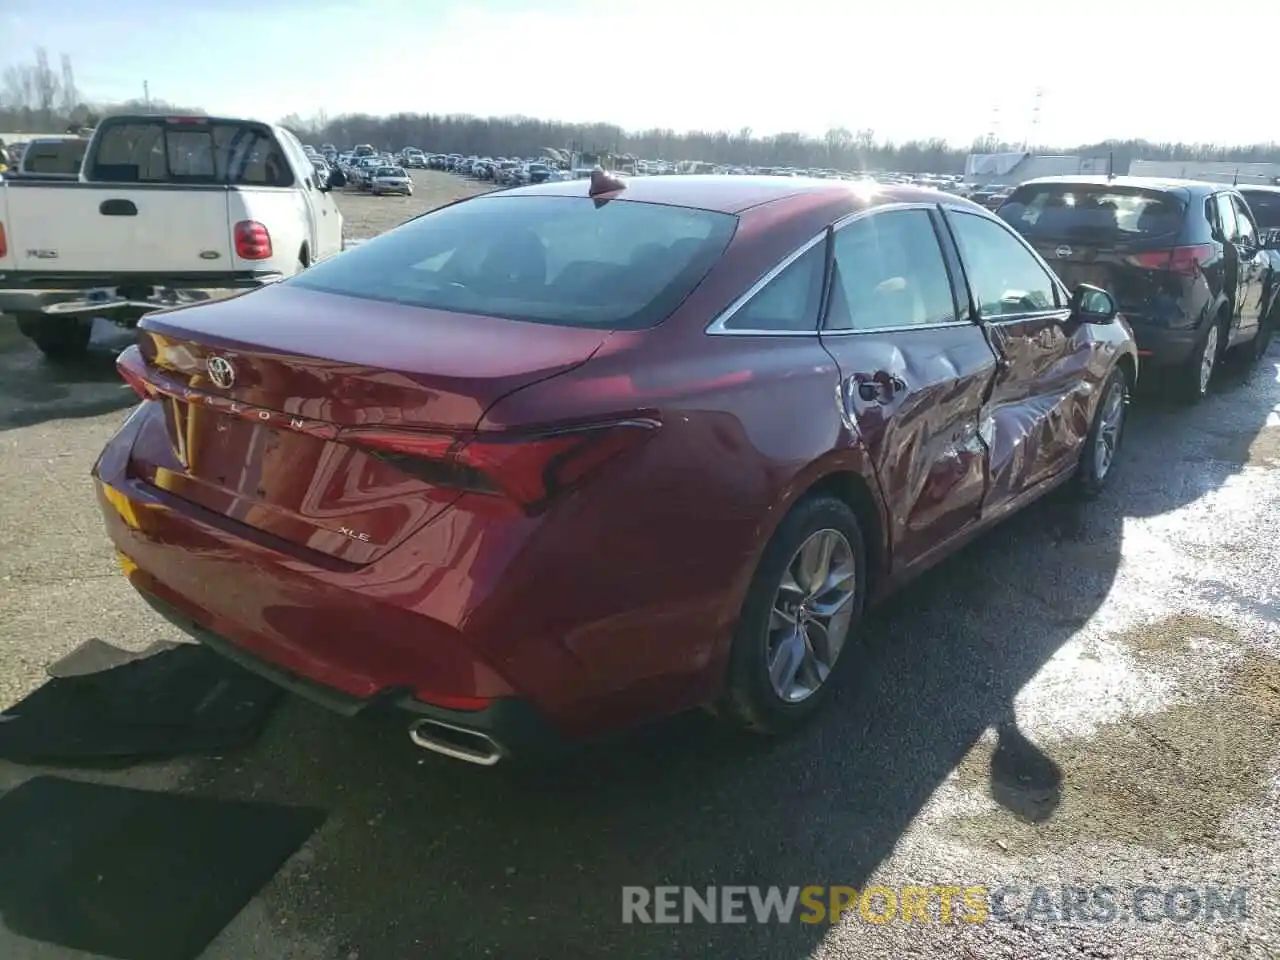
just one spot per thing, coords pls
(146, 95)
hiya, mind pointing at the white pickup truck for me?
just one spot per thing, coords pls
(166, 211)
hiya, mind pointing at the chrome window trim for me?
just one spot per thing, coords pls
(1063, 292)
(717, 326)
(881, 331)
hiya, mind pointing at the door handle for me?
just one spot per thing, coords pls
(877, 388)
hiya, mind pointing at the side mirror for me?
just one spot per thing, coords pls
(1093, 304)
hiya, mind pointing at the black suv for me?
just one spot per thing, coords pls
(1186, 262)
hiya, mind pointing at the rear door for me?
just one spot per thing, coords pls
(915, 371)
(1119, 238)
(1038, 411)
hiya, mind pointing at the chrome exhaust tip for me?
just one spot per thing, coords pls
(456, 742)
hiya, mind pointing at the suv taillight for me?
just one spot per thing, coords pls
(253, 241)
(4, 244)
(1182, 260)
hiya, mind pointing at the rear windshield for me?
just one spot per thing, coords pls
(1066, 210)
(560, 260)
(391, 172)
(1265, 206)
(144, 150)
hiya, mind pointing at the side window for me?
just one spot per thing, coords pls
(1005, 278)
(1226, 217)
(889, 273)
(1246, 232)
(789, 302)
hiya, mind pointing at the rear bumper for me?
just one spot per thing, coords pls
(512, 723)
(353, 638)
(1162, 343)
(104, 295)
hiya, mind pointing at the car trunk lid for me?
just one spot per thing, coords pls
(278, 407)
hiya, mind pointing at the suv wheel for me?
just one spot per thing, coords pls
(1192, 379)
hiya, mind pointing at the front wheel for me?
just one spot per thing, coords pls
(1102, 443)
(799, 617)
(60, 339)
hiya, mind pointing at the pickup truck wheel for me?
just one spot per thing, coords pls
(58, 338)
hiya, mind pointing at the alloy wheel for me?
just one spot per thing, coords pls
(1110, 422)
(1209, 358)
(812, 611)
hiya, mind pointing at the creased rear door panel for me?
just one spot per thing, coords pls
(916, 397)
(1038, 412)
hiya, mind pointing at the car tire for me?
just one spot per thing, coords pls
(751, 697)
(1262, 342)
(60, 339)
(1106, 432)
(1191, 380)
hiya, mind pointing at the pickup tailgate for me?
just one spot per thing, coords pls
(110, 229)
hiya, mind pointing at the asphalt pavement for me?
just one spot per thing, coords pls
(1089, 695)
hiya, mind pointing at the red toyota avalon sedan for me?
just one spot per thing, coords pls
(551, 462)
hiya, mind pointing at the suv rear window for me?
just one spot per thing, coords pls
(145, 150)
(1070, 211)
(557, 260)
(1265, 205)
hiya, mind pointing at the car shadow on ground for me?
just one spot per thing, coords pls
(422, 852)
(33, 390)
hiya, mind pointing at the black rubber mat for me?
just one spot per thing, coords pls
(186, 699)
(136, 874)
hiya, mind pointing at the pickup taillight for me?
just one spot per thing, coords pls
(253, 241)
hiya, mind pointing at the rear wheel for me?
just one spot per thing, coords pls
(1190, 381)
(1262, 342)
(800, 613)
(59, 338)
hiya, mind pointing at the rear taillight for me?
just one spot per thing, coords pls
(253, 241)
(4, 243)
(133, 370)
(1186, 261)
(528, 470)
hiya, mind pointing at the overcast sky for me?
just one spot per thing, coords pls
(1121, 68)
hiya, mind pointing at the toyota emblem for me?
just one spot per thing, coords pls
(1063, 252)
(221, 372)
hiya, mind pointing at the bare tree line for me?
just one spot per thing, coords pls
(36, 98)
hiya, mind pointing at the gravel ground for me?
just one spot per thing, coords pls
(366, 216)
(1088, 695)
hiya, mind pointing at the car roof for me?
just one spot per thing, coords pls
(734, 194)
(1147, 183)
(1258, 187)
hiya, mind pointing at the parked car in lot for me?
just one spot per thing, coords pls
(827, 389)
(391, 180)
(167, 210)
(1184, 259)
